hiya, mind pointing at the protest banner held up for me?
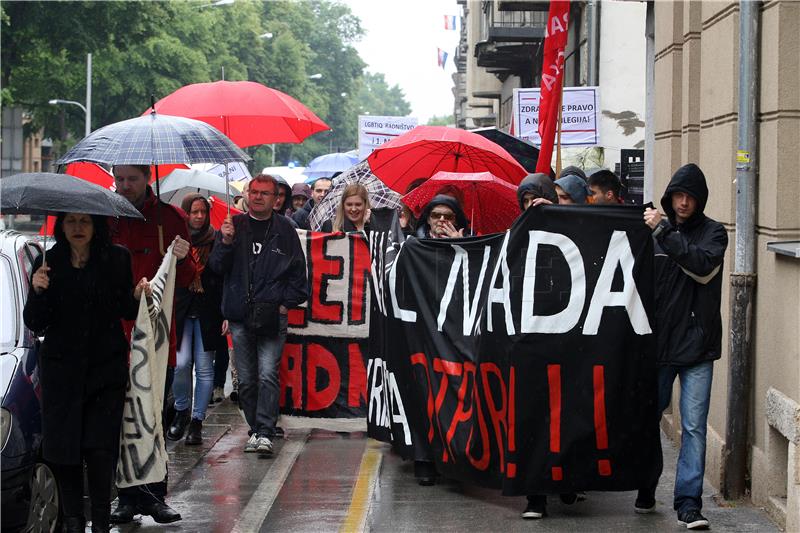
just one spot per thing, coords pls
(523, 360)
(142, 452)
(323, 372)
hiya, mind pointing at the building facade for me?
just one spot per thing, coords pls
(696, 74)
(501, 50)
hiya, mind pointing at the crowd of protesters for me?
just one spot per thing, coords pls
(244, 278)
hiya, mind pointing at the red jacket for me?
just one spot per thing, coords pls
(140, 237)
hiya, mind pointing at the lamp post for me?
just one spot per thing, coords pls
(87, 109)
(57, 101)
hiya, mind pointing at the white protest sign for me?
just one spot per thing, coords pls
(579, 125)
(373, 131)
(142, 454)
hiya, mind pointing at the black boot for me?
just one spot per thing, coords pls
(178, 427)
(425, 472)
(123, 513)
(195, 434)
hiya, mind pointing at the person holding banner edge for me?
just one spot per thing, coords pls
(77, 300)
(142, 239)
(690, 248)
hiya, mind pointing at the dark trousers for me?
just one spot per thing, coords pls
(100, 466)
(144, 494)
(221, 359)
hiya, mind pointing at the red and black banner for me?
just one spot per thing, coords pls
(524, 360)
(323, 370)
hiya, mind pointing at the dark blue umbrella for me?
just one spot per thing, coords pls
(155, 140)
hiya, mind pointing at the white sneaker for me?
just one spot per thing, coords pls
(252, 444)
(264, 446)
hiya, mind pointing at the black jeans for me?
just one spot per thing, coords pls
(100, 466)
(221, 359)
(144, 494)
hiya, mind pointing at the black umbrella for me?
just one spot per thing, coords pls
(524, 152)
(42, 193)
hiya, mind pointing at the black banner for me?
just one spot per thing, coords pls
(524, 360)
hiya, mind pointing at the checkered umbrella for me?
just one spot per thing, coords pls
(379, 194)
(155, 139)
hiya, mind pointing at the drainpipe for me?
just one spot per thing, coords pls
(593, 39)
(650, 103)
(743, 279)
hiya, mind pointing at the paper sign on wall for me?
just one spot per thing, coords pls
(579, 125)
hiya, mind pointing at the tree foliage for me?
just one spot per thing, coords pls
(141, 49)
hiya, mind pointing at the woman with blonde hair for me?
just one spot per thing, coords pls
(352, 213)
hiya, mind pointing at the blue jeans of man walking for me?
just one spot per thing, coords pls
(193, 351)
(257, 363)
(695, 382)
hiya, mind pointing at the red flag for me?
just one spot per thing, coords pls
(555, 42)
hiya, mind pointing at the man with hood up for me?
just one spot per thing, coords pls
(533, 187)
(689, 248)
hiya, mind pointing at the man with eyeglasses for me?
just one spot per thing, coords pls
(259, 255)
(443, 218)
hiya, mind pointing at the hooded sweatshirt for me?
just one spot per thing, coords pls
(575, 186)
(423, 229)
(540, 185)
(688, 268)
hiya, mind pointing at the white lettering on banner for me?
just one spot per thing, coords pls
(461, 262)
(403, 314)
(503, 294)
(619, 253)
(385, 402)
(558, 25)
(564, 320)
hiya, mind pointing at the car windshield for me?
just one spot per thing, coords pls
(9, 316)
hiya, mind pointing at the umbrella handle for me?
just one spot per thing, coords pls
(227, 190)
(161, 239)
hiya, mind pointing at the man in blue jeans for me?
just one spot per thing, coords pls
(259, 255)
(689, 249)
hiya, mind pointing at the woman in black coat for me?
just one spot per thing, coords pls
(78, 299)
(198, 318)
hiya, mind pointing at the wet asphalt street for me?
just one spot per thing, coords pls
(333, 478)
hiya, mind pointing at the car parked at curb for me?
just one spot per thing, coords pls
(30, 498)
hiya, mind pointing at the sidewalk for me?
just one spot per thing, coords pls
(400, 504)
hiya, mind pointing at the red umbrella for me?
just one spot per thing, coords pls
(489, 202)
(248, 113)
(426, 150)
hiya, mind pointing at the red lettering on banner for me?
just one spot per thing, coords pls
(359, 279)
(601, 431)
(323, 268)
(320, 358)
(499, 415)
(445, 368)
(291, 377)
(469, 372)
(357, 384)
(420, 359)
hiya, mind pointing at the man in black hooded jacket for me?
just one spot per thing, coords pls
(689, 249)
